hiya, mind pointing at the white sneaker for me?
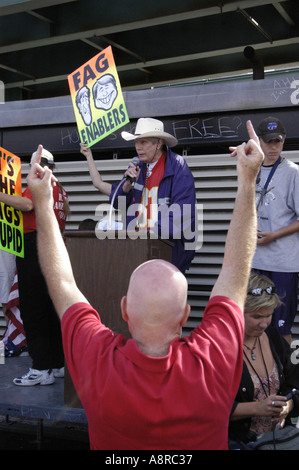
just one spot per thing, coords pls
(35, 377)
(58, 372)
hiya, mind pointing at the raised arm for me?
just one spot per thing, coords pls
(96, 178)
(53, 256)
(241, 237)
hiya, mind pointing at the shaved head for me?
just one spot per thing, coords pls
(156, 301)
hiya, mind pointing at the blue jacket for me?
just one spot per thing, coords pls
(176, 189)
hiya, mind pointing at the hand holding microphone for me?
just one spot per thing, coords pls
(131, 174)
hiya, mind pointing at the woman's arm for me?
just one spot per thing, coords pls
(96, 178)
(274, 406)
(23, 204)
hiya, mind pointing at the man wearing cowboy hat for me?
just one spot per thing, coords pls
(163, 181)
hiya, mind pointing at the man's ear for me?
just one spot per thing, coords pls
(123, 307)
(186, 315)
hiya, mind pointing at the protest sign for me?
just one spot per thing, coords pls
(11, 220)
(97, 98)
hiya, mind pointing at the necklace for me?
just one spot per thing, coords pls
(266, 370)
(253, 356)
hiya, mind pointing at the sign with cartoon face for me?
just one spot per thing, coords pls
(97, 98)
(11, 219)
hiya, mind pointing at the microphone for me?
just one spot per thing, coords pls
(135, 162)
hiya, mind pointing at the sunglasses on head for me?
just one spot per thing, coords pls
(259, 290)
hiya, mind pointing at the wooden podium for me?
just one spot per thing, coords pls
(102, 267)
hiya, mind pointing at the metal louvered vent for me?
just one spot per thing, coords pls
(216, 183)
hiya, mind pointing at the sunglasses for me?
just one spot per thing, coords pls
(259, 290)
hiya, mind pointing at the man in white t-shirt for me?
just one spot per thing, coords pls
(277, 198)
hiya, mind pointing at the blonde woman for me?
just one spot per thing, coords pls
(268, 374)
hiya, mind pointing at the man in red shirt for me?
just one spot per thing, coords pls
(156, 390)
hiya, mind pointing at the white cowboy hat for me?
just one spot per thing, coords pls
(149, 127)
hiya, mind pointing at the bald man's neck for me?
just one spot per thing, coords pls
(153, 349)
